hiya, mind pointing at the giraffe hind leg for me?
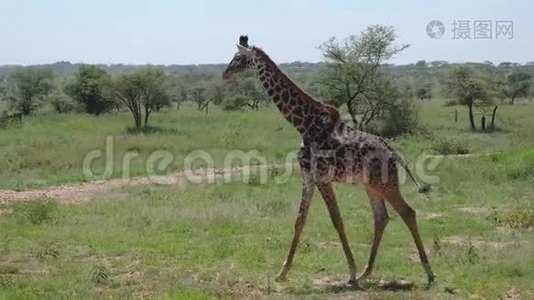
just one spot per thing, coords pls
(407, 214)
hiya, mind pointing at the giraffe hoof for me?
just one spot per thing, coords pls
(431, 279)
(353, 282)
(363, 276)
(280, 277)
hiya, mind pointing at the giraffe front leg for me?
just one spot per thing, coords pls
(330, 199)
(381, 219)
(307, 194)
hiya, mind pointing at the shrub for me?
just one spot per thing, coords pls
(36, 212)
(400, 119)
(519, 218)
(520, 171)
(47, 250)
(62, 104)
(236, 102)
(446, 146)
(100, 274)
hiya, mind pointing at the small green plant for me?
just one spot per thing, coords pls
(274, 171)
(7, 281)
(47, 250)
(437, 244)
(496, 218)
(471, 253)
(36, 212)
(100, 274)
(519, 218)
(254, 179)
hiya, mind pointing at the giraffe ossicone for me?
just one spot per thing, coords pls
(331, 152)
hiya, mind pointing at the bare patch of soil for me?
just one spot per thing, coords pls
(475, 210)
(81, 192)
(479, 242)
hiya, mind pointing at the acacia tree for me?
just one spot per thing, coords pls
(141, 92)
(29, 85)
(423, 93)
(245, 92)
(352, 75)
(472, 89)
(216, 91)
(198, 94)
(88, 88)
(353, 69)
(518, 85)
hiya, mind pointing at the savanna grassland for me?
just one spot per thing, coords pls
(229, 240)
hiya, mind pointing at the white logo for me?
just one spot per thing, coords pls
(435, 29)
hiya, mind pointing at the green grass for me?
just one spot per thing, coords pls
(229, 240)
(49, 149)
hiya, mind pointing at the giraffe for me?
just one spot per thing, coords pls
(332, 152)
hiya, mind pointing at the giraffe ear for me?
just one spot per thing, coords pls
(244, 50)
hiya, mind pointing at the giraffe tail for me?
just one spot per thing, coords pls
(421, 188)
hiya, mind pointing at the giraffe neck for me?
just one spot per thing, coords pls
(299, 108)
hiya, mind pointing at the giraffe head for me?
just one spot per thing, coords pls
(242, 59)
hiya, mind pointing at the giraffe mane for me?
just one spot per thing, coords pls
(333, 111)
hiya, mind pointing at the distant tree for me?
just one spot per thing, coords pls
(423, 93)
(234, 102)
(215, 91)
(471, 88)
(88, 89)
(181, 96)
(488, 63)
(421, 64)
(177, 91)
(352, 75)
(142, 92)
(29, 86)
(507, 65)
(518, 85)
(199, 96)
(247, 92)
(62, 103)
(439, 63)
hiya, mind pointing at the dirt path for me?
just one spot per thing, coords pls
(80, 192)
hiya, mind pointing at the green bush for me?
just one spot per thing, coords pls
(519, 218)
(62, 104)
(445, 146)
(36, 212)
(236, 102)
(520, 171)
(100, 274)
(401, 119)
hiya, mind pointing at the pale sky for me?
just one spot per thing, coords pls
(202, 31)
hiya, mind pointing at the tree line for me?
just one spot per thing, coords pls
(354, 76)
